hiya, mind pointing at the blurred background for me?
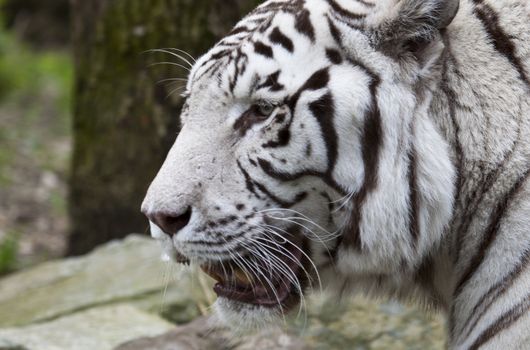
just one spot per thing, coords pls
(36, 76)
(87, 115)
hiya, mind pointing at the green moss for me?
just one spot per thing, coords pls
(8, 253)
(5, 158)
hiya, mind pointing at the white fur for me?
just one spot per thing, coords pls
(456, 78)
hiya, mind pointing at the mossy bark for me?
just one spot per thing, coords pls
(124, 122)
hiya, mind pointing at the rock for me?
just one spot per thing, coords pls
(202, 334)
(353, 324)
(5, 345)
(100, 328)
(273, 339)
(366, 324)
(198, 335)
(128, 270)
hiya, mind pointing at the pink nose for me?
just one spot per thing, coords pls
(170, 223)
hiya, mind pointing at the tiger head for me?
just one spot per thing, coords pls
(307, 150)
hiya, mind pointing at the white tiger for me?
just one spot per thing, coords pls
(373, 145)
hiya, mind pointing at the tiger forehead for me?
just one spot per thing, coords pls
(270, 65)
(273, 27)
(304, 18)
(272, 51)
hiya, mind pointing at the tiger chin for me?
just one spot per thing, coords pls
(360, 146)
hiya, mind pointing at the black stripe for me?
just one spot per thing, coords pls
(226, 43)
(284, 6)
(272, 82)
(274, 198)
(425, 275)
(248, 118)
(413, 200)
(303, 24)
(324, 111)
(331, 205)
(334, 56)
(237, 30)
(316, 81)
(345, 13)
(491, 232)
(238, 58)
(263, 49)
(467, 207)
(308, 149)
(451, 101)
(497, 290)
(500, 40)
(210, 69)
(502, 323)
(366, 3)
(267, 167)
(278, 37)
(280, 118)
(284, 136)
(226, 239)
(252, 184)
(451, 98)
(218, 55)
(335, 32)
(371, 145)
(248, 180)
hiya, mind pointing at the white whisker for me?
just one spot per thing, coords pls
(172, 54)
(167, 278)
(175, 90)
(171, 64)
(308, 275)
(171, 79)
(182, 51)
(304, 254)
(285, 270)
(300, 216)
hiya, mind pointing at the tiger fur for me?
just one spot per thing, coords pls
(397, 144)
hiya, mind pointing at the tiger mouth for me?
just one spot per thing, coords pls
(260, 282)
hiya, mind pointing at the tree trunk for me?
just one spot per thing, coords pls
(124, 122)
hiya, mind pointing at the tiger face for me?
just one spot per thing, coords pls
(297, 159)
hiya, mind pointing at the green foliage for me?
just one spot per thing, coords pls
(35, 98)
(8, 253)
(24, 72)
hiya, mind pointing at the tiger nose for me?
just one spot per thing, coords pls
(170, 223)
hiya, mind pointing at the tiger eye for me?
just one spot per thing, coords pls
(265, 108)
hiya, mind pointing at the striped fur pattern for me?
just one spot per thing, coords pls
(395, 132)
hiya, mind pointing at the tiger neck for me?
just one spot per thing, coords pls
(480, 114)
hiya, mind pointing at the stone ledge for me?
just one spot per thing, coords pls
(100, 328)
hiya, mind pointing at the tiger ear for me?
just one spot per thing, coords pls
(411, 25)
